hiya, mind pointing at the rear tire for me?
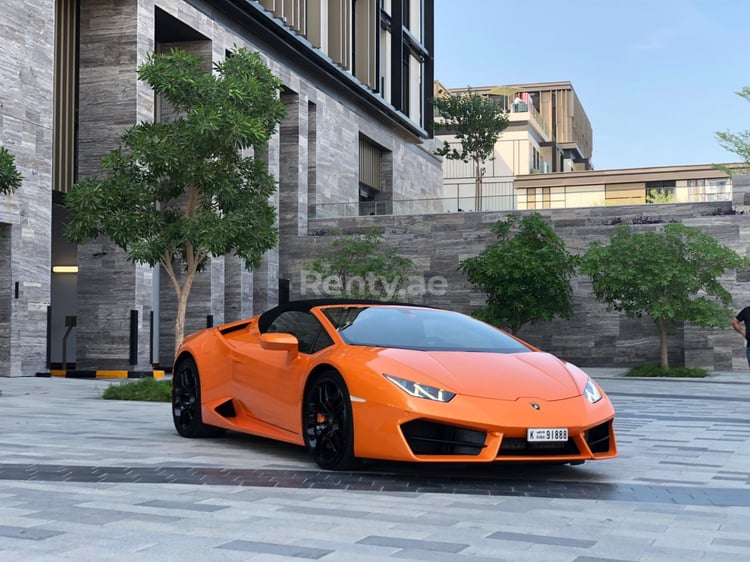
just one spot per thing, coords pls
(186, 402)
(327, 422)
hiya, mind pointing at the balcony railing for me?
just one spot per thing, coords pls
(432, 206)
(521, 111)
(496, 197)
(457, 198)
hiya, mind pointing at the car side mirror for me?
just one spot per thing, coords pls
(279, 342)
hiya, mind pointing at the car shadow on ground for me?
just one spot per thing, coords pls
(286, 456)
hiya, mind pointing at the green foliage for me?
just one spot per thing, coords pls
(739, 143)
(145, 390)
(657, 196)
(10, 177)
(180, 188)
(653, 370)
(525, 275)
(670, 275)
(476, 123)
(178, 191)
(361, 268)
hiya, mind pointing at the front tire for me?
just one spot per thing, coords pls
(327, 422)
(186, 402)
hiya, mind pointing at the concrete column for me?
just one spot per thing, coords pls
(293, 178)
(26, 110)
(741, 192)
(238, 290)
(114, 39)
(265, 285)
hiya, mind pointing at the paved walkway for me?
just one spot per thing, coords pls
(87, 479)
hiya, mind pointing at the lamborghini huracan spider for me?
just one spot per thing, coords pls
(355, 379)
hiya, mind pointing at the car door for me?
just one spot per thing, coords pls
(269, 382)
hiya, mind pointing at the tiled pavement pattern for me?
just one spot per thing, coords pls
(86, 479)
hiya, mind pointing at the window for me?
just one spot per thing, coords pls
(660, 191)
(370, 160)
(291, 12)
(717, 189)
(365, 38)
(374, 199)
(303, 326)
(500, 101)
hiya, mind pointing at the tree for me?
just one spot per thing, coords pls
(670, 275)
(10, 177)
(179, 191)
(476, 123)
(525, 275)
(358, 267)
(739, 143)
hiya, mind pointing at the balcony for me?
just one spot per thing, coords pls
(527, 112)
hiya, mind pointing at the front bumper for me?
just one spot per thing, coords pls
(481, 430)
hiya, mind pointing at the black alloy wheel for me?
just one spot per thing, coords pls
(186, 402)
(327, 422)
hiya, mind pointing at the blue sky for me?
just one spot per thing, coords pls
(656, 78)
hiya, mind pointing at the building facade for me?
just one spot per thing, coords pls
(548, 131)
(357, 79)
(631, 186)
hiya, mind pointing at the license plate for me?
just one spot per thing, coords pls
(546, 434)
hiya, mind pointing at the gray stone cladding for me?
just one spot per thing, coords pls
(594, 336)
(314, 156)
(313, 163)
(26, 83)
(110, 101)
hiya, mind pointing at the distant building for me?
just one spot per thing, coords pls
(357, 83)
(549, 131)
(631, 186)
(543, 160)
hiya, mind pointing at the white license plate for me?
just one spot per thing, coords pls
(545, 434)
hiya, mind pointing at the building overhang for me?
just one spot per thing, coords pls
(272, 31)
(626, 175)
(572, 151)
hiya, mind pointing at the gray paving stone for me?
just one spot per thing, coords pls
(680, 489)
(278, 549)
(403, 543)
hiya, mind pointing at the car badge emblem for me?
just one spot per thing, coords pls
(536, 406)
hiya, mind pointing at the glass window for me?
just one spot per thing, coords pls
(660, 191)
(423, 329)
(303, 326)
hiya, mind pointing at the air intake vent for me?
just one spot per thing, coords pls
(430, 438)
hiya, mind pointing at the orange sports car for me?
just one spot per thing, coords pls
(355, 379)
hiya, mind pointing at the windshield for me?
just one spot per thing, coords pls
(419, 328)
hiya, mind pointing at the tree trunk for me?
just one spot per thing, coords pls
(179, 320)
(194, 257)
(663, 325)
(182, 292)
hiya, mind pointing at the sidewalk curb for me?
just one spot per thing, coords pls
(75, 374)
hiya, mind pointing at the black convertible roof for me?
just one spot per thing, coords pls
(270, 315)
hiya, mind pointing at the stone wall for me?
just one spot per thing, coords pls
(26, 76)
(594, 336)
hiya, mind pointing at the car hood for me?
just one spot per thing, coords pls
(500, 376)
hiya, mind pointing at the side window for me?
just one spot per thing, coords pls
(304, 326)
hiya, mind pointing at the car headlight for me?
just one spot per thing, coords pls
(421, 390)
(591, 392)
